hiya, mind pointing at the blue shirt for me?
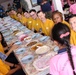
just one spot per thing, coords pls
(45, 7)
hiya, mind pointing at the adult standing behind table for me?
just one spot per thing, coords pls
(17, 4)
(45, 7)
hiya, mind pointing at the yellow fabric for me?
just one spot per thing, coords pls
(73, 38)
(36, 24)
(12, 16)
(47, 27)
(66, 23)
(23, 20)
(15, 17)
(1, 73)
(4, 69)
(1, 48)
(29, 23)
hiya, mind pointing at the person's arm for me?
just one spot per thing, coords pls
(11, 49)
(11, 71)
(53, 68)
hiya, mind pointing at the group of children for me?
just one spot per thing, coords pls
(61, 32)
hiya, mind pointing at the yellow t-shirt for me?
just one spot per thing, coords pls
(36, 24)
(12, 16)
(1, 73)
(73, 38)
(15, 17)
(23, 20)
(66, 23)
(29, 23)
(4, 69)
(47, 27)
(1, 48)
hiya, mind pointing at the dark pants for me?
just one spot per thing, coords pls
(19, 72)
(12, 59)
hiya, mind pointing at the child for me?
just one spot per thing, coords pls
(58, 17)
(46, 24)
(64, 63)
(36, 24)
(7, 68)
(72, 21)
(4, 49)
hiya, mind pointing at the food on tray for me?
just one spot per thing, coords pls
(31, 43)
(15, 32)
(19, 33)
(28, 39)
(21, 37)
(42, 63)
(42, 50)
(34, 47)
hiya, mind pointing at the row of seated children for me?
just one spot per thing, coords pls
(37, 21)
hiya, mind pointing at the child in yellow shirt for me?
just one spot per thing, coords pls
(72, 21)
(22, 19)
(29, 19)
(46, 24)
(36, 24)
(58, 17)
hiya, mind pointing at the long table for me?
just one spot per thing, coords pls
(8, 26)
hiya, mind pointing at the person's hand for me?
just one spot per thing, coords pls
(14, 47)
(18, 66)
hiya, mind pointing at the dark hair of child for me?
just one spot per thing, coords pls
(57, 31)
(3, 42)
(71, 16)
(32, 10)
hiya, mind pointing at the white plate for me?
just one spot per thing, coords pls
(42, 49)
(27, 59)
(20, 51)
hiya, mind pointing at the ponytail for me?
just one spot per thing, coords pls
(70, 55)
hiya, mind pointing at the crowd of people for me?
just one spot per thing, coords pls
(61, 32)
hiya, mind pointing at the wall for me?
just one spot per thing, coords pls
(6, 3)
(30, 6)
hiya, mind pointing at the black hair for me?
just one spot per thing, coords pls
(3, 42)
(40, 11)
(59, 29)
(26, 11)
(32, 10)
(71, 16)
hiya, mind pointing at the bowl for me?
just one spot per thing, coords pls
(20, 51)
(34, 47)
(27, 59)
(31, 43)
